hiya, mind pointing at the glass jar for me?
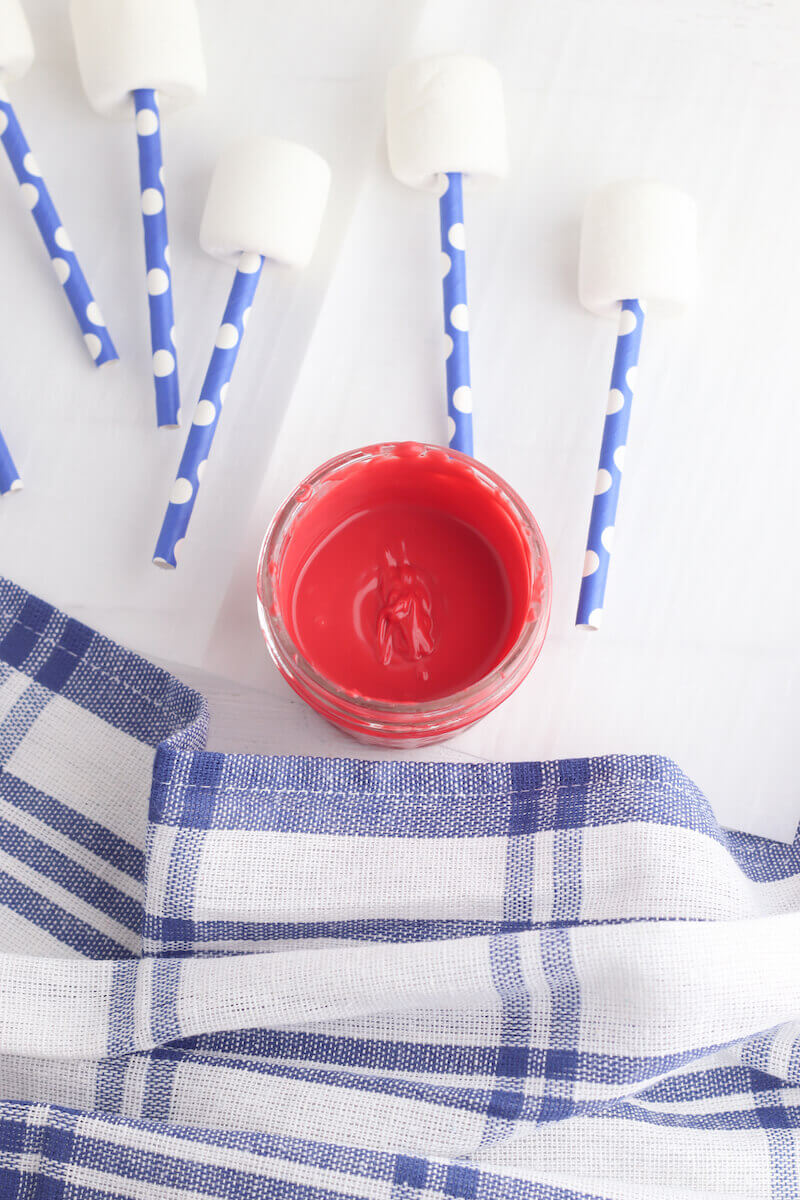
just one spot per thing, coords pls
(400, 474)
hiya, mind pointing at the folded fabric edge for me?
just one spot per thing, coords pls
(70, 659)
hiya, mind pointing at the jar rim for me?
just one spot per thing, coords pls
(336, 701)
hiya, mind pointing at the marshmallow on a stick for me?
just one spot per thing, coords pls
(266, 202)
(638, 250)
(140, 59)
(445, 123)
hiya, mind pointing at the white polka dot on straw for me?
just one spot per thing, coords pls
(181, 491)
(30, 194)
(249, 263)
(227, 336)
(462, 399)
(163, 363)
(152, 201)
(157, 281)
(204, 413)
(627, 323)
(603, 483)
(146, 122)
(459, 317)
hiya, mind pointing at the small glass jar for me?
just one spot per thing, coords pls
(407, 722)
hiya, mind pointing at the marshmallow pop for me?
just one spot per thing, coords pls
(266, 201)
(16, 56)
(140, 58)
(638, 247)
(445, 120)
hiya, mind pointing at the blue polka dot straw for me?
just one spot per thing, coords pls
(156, 249)
(456, 314)
(206, 417)
(9, 475)
(65, 263)
(609, 475)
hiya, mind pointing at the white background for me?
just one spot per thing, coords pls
(698, 657)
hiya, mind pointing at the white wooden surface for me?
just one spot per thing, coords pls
(699, 655)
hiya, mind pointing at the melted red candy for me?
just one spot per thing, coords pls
(405, 578)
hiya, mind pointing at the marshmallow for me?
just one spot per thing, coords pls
(16, 43)
(267, 196)
(638, 242)
(123, 45)
(445, 113)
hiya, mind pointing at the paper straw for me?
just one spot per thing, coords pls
(156, 253)
(609, 475)
(207, 413)
(456, 315)
(54, 236)
(9, 475)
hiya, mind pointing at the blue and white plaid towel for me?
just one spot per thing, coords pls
(315, 979)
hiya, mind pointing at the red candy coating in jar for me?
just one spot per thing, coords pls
(404, 591)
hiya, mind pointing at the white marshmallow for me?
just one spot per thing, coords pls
(127, 44)
(446, 113)
(267, 196)
(638, 242)
(16, 43)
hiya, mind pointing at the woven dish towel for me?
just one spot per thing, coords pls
(231, 977)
